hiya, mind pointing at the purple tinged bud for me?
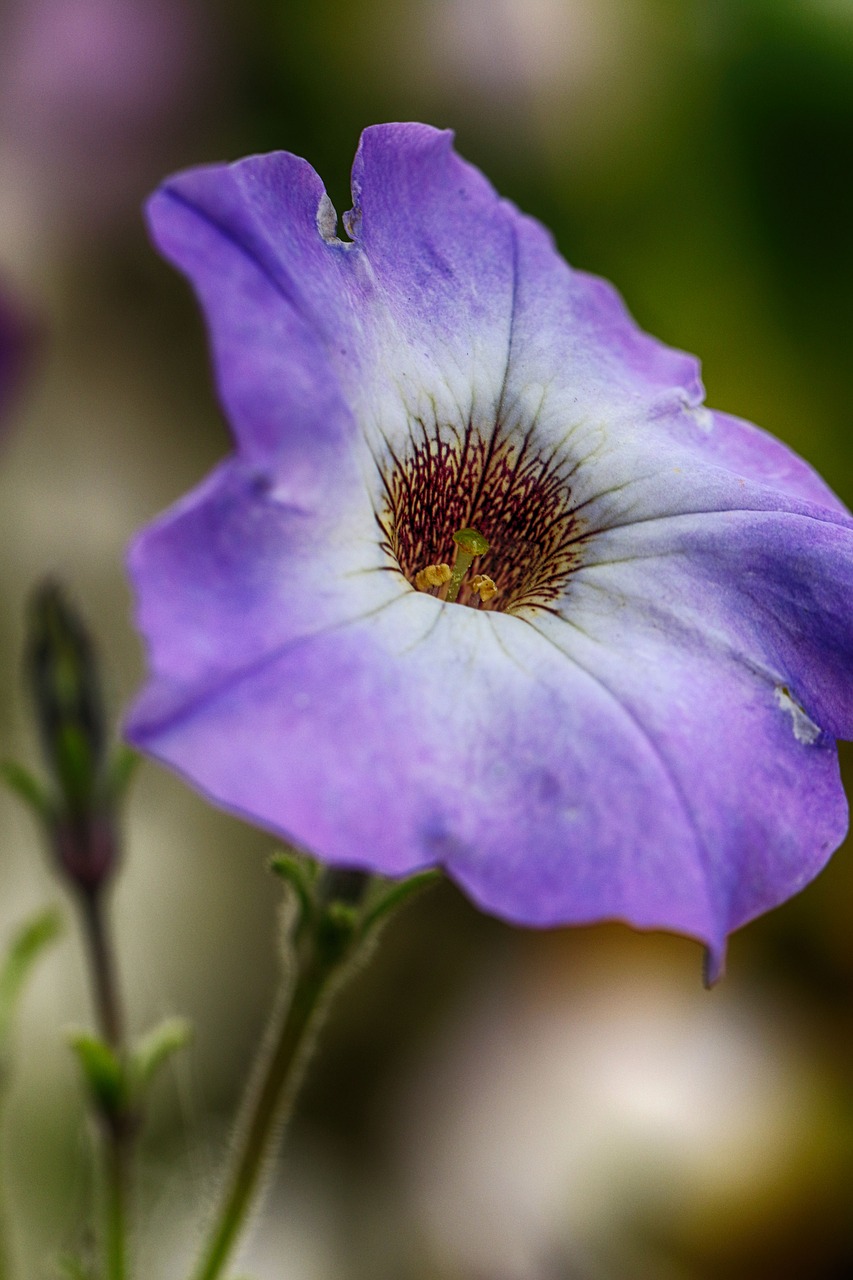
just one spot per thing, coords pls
(87, 849)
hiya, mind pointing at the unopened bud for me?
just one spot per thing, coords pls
(63, 678)
(62, 671)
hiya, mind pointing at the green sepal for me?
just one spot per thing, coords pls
(71, 1268)
(120, 772)
(399, 893)
(62, 667)
(103, 1072)
(336, 930)
(75, 767)
(23, 952)
(28, 788)
(336, 916)
(154, 1049)
(300, 876)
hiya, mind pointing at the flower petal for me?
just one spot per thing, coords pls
(551, 769)
(485, 749)
(438, 310)
(238, 570)
(247, 237)
(767, 587)
(626, 408)
(734, 664)
(574, 337)
(438, 246)
(746, 450)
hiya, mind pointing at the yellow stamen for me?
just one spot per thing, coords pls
(483, 584)
(434, 575)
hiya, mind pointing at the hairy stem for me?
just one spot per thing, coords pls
(118, 1128)
(271, 1094)
(102, 967)
(116, 1203)
(5, 1268)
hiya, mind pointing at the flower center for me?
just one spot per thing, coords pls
(498, 501)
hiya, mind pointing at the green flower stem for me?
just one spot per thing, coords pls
(271, 1095)
(116, 1201)
(5, 1269)
(102, 967)
(338, 916)
(117, 1127)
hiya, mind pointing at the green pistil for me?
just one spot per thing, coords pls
(471, 544)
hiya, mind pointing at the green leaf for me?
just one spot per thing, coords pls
(102, 1071)
(155, 1048)
(27, 788)
(26, 947)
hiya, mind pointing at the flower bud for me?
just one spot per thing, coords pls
(62, 673)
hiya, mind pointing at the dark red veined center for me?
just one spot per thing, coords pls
(516, 496)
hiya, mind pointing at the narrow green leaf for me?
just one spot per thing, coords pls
(26, 947)
(27, 788)
(155, 1048)
(102, 1071)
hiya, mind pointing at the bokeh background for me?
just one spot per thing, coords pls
(489, 1104)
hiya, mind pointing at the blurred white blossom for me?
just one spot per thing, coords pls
(560, 1111)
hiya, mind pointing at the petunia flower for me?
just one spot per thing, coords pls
(640, 721)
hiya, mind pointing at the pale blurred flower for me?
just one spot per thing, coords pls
(560, 1112)
(506, 46)
(88, 91)
(573, 72)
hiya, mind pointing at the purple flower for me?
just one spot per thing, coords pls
(639, 721)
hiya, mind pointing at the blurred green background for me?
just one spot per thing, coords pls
(489, 1104)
